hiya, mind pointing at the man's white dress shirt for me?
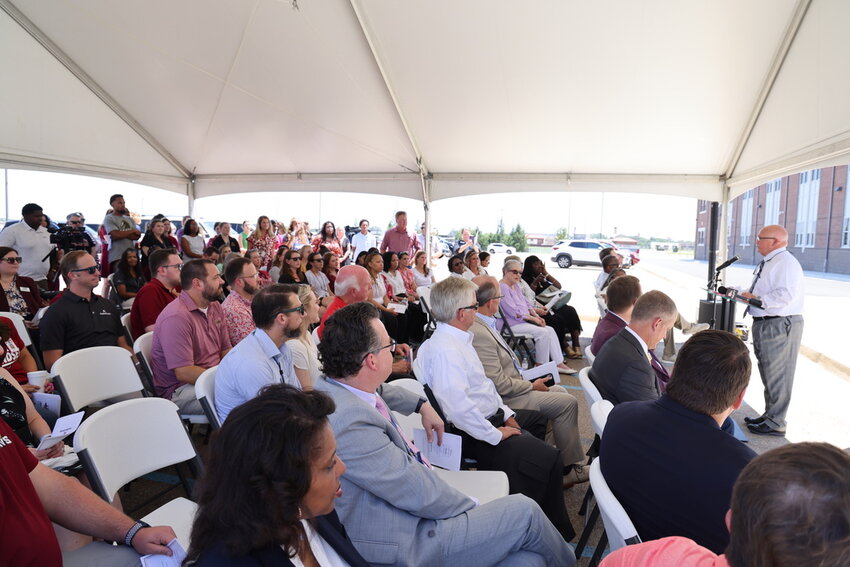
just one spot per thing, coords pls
(780, 285)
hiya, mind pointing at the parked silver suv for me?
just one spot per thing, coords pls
(568, 253)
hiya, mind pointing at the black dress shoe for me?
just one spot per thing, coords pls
(764, 429)
(754, 420)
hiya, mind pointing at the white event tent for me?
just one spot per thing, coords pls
(428, 100)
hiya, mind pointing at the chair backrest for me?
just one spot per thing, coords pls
(130, 439)
(589, 355)
(18, 322)
(128, 333)
(591, 392)
(424, 293)
(95, 374)
(599, 415)
(315, 336)
(142, 346)
(205, 392)
(410, 384)
(619, 528)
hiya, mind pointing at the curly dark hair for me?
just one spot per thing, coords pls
(258, 471)
(347, 338)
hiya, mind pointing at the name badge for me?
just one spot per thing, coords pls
(26, 289)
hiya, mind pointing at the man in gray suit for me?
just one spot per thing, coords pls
(394, 508)
(502, 367)
(626, 368)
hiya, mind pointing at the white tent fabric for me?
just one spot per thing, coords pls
(427, 100)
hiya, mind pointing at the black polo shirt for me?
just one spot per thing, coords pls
(73, 323)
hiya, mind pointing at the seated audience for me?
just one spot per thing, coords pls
(626, 368)
(305, 355)
(224, 238)
(263, 240)
(502, 367)
(423, 276)
(564, 319)
(164, 287)
(18, 411)
(190, 336)
(17, 359)
(263, 357)
(395, 322)
(298, 236)
(269, 490)
(790, 506)
(361, 258)
(290, 272)
(277, 264)
(520, 314)
(154, 239)
(127, 279)
(263, 277)
(211, 253)
(391, 275)
(305, 255)
(456, 266)
(492, 435)
(316, 277)
(33, 495)
(20, 294)
(688, 465)
(473, 266)
(191, 241)
(622, 295)
(345, 259)
(485, 259)
(353, 284)
(330, 267)
(396, 510)
(241, 278)
(80, 319)
(405, 270)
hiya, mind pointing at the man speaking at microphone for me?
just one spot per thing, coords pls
(777, 326)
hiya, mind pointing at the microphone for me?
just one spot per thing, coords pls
(727, 263)
(733, 294)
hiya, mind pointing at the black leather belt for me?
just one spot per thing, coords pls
(766, 317)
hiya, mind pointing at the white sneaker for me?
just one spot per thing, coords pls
(695, 328)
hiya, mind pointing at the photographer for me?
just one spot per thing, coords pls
(73, 236)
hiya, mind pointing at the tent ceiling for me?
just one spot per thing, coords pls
(494, 96)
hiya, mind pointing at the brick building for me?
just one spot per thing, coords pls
(813, 207)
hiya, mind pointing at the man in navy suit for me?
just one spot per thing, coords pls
(622, 294)
(667, 461)
(626, 368)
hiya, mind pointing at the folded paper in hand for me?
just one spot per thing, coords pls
(445, 456)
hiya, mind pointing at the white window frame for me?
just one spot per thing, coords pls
(746, 228)
(845, 225)
(701, 236)
(771, 202)
(807, 209)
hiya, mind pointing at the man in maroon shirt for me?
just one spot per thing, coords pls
(622, 295)
(165, 265)
(32, 495)
(398, 239)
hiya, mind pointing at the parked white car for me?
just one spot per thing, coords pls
(499, 248)
(568, 253)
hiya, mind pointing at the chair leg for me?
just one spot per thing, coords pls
(584, 503)
(600, 548)
(588, 529)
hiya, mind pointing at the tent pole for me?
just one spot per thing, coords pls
(425, 180)
(190, 196)
(724, 222)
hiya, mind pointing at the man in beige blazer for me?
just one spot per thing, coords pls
(502, 367)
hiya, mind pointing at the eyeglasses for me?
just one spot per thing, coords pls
(75, 222)
(390, 346)
(318, 259)
(515, 272)
(299, 309)
(760, 238)
(496, 297)
(178, 266)
(295, 258)
(91, 269)
(468, 307)
(15, 260)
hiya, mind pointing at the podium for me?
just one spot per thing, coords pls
(721, 309)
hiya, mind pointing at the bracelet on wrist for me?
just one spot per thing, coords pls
(131, 533)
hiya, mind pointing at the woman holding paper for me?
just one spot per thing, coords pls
(271, 481)
(18, 412)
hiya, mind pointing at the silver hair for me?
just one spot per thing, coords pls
(449, 295)
(509, 265)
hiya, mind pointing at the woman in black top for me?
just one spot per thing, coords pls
(224, 237)
(564, 319)
(127, 279)
(154, 239)
(291, 272)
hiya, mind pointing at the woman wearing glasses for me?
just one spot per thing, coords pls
(291, 272)
(20, 294)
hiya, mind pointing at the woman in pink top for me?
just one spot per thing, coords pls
(264, 242)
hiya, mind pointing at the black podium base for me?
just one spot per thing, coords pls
(722, 311)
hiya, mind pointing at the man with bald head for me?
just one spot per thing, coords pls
(777, 326)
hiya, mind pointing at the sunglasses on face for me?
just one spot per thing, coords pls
(299, 309)
(515, 272)
(295, 258)
(91, 269)
(15, 260)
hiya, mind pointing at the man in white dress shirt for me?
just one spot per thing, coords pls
(32, 242)
(777, 326)
(448, 364)
(262, 357)
(362, 241)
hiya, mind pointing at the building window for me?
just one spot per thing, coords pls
(771, 202)
(729, 238)
(701, 237)
(807, 209)
(703, 205)
(746, 218)
(845, 227)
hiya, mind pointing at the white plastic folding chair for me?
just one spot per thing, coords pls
(619, 529)
(128, 334)
(591, 392)
(599, 415)
(130, 439)
(589, 355)
(315, 336)
(24, 333)
(424, 293)
(95, 374)
(205, 393)
(143, 347)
